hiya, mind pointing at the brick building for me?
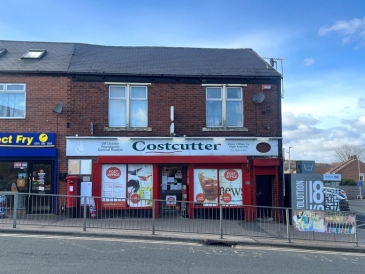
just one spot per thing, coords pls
(349, 169)
(141, 123)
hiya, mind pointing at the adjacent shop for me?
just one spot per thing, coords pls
(28, 165)
(131, 172)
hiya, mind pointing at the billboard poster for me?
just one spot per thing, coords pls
(206, 186)
(324, 221)
(230, 186)
(140, 185)
(113, 186)
(307, 191)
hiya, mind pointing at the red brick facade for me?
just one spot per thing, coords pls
(87, 102)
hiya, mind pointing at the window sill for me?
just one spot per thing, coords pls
(127, 129)
(12, 117)
(225, 129)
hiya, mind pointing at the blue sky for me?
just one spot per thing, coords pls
(322, 44)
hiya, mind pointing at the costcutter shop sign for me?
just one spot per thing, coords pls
(84, 146)
(27, 139)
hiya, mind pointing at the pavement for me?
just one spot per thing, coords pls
(207, 239)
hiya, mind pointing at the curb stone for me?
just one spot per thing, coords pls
(203, 239)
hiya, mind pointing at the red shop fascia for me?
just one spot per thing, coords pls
(208, 171)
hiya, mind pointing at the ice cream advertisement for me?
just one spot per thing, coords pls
(113, 186)
(230, 186)
(206, 186)
(139, 185)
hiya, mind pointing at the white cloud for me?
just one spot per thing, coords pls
(308, 61)
(322, 112)
(312, 142)
(351, 30)
(361, 102)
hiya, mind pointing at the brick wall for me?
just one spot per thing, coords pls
(353, 191)
(89, 101)
(42, 94)
(86, 102)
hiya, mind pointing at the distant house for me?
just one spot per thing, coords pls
(322, 168)
(349, 169)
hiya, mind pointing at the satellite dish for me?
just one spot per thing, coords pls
(258, 98)
(272, 62)
(58, 108)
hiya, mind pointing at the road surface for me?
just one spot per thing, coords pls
(46, 254)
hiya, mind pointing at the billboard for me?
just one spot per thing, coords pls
(310, 192)
(307, 191)
(322, 221)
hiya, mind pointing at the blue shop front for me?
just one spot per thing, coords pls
(29, 165)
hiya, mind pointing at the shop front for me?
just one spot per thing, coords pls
(182, 175)
(28, 165)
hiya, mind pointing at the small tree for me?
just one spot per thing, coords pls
(345, 153)
(348, 182)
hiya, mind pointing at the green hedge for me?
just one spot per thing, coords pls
(348, 182)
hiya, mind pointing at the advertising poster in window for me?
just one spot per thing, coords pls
(324, 221)
(140, 185)
(230, 186)
(170, 200)
(206, 186)
(113, 186)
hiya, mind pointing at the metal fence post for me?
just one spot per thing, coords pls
(287, 224)
(84, 218)
(153, 217)
(356, 236)
(221, 218)
(15, 208)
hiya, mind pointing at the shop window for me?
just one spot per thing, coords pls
(12, 100)
(128, 106)
(224, 108)
(214, 185)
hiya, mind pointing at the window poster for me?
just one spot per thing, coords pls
(206, 186)
(140, 185)
(113, 186)
(73, 167)
(230, 186)
(170, 200)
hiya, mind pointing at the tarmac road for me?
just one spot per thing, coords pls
(48, 254)
(358, 206)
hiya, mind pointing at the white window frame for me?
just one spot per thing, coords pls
(224, 101)
(128, 100)
(5, 88)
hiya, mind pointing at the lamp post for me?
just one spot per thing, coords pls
(289, 160)
(360, 181)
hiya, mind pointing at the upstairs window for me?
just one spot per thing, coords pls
(12, 100)
(224, 107)
(128, 106)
